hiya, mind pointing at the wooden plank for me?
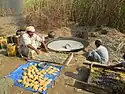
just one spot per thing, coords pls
(30, 59)
(68, 59)
(95, 64)
(92, 88)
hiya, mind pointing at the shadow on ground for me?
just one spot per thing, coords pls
(81, 76)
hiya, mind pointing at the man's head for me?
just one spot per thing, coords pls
(30, 30)
(18, 32)
(51, 34)
(98, 43)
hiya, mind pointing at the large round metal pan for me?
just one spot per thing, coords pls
(67, 44)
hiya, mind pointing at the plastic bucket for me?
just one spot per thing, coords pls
(3, 42)
(11, 49)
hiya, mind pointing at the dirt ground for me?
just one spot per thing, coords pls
(66, 83)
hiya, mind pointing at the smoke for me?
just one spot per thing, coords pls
(14, 5)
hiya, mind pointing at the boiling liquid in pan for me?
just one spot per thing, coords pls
(65, 45)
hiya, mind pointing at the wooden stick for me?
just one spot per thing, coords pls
(46, 49)
(90, 66)
(91, 88)
(103, 66)
(90, 85)
(69, 58)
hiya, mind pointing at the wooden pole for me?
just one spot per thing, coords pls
(103, 66)
(69, 58)
(92, 88)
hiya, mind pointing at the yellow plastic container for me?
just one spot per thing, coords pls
(1, 45)
(11, 49)
(3, 42)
